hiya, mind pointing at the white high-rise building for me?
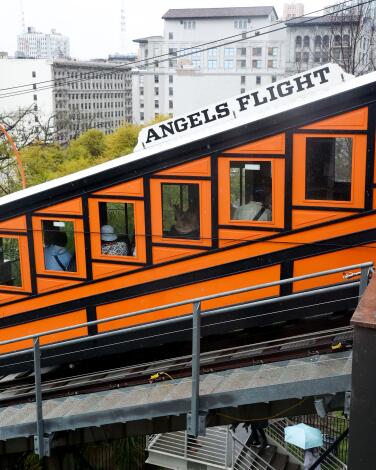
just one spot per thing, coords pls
(36, 45)
(180, 82)
(68, 96)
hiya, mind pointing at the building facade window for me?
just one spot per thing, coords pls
(256, 51)
(272, 51)
(272, 64)
(196, 63)
(228, 64)
(170, 35)
(242, 51)
(306, 41)
(256, 64)
(156, 78)
(212, 64)
(242, 79)
(212, 52)
(241, 23)
(229, 51)
(298, 42)
(189, 24)
(171, 91)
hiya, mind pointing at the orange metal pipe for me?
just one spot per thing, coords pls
(16, 154)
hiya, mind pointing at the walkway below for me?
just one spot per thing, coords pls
(143, 405)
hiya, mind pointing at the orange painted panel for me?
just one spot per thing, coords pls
(231, 237)
(374, 199)
(9, 297)
(196, 168)
(47, 284)
(270, 145)
(306, 218)
(108, 269)
(278, 191)
(357, 177)
(347, 257)
(205, 212)
(14, 225)
(354, 120)
(166, 253)
(139, 227)
(73, 206)
(214, 286)
(131, 188)
(40, 326)
(79, 247)
(310, 235)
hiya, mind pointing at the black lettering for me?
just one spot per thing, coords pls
(321, 73)
(167, 128)
(183, 127)
(288, 89)
(152, 135)
(300, 82)
(205, 112)
(243, 102)
(271, 93)
(193, 118)
(222, 110)
(256, 98)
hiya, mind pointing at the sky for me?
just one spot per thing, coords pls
(93, 26)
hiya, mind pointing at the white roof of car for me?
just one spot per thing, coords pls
(339, 83)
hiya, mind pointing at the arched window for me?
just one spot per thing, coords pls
(298, 41)
(306, 41)
(325, 41)
(318, 42)
(337, 40)
(346, 40)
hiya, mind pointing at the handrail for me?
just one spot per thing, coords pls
(196, 418)
(265, 465)
(187, 302)
(332, 446)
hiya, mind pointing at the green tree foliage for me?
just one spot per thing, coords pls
(43, 162)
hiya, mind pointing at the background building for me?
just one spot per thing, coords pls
(292, 10)
(178, 83)
(67, 96)
(36, 45)
(340, 38)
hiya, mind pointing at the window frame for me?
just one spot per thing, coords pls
(358, 170)
(23, 250)
(79, 246)
(278, 195)
(205, 212)
(139, 230)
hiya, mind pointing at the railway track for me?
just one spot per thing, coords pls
(16, 390)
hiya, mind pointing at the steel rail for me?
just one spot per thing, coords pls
(279, 282)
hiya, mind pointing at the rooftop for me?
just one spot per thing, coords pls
(232, 12)
(320, 20)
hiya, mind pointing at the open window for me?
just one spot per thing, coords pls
(252, 191)
(14, 263)
(59, 249)
(329, 170)
(59, 246)
(10, 267)
(117, 229)
(181, 211)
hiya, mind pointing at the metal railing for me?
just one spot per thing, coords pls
(196, 420)
(219, 448)
(276, 431)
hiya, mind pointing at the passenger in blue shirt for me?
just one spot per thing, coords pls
(56, 255)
